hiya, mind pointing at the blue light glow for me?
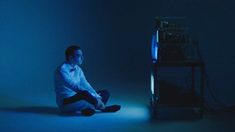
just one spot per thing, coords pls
(155, 40)
(134, 112)
(152, 83)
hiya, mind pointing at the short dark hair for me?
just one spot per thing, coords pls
(70, 51)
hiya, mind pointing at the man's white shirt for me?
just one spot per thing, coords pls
(69, 80)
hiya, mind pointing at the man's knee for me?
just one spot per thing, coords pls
(85, 93)
(88, 97)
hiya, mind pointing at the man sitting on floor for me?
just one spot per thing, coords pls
(73, 92)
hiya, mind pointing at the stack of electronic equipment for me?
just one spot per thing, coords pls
(175, 53)
(174, 40)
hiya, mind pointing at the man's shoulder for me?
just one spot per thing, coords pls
(63, 66)
(78, 68)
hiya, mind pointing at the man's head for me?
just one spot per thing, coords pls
(74, 55)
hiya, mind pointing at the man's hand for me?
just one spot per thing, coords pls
(100, 105)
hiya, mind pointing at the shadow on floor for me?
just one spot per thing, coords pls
(44, 110)
(49, 110)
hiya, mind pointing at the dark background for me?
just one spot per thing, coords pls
(115, 37)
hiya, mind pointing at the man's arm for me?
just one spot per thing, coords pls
(68, 81)
(100, 105)
(86, 85)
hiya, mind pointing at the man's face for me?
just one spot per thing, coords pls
(77, 57)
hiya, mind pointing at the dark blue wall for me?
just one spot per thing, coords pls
(115, 36)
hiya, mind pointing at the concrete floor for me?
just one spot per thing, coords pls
(39, 113)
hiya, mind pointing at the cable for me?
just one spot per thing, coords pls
(217, 103)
